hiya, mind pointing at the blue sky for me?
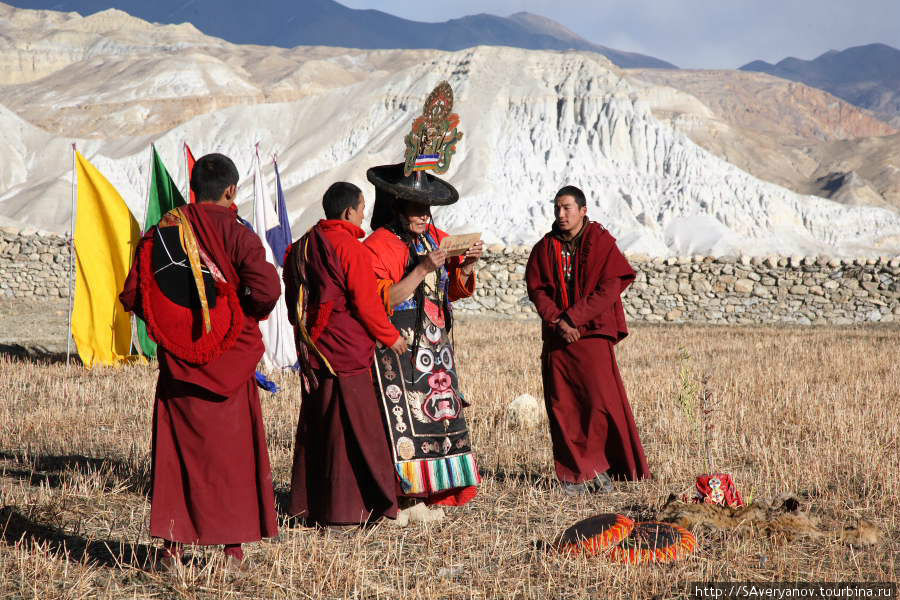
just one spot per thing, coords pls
(693, 33)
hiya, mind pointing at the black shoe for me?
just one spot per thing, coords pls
(602, 484)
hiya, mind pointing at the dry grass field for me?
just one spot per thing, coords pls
(810, 411)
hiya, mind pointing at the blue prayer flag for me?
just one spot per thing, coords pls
(280, 237)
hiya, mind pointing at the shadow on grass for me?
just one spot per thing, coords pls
(54, 471)
(640, 512)
(286, 521)
(36, 354)
(18, 530)
(531, 478)
(283, 505)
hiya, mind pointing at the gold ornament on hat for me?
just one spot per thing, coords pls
(432, 142)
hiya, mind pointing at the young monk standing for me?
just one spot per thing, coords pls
(575, 277)
(202, 283)
(343, 473)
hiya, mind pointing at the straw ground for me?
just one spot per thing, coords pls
(803, 410)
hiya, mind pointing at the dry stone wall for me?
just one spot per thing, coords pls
(774, 289)
(33, 265)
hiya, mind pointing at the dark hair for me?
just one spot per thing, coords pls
(571, 190)
(339, 197)
(388, 214)
(384, 212)
(211, 175)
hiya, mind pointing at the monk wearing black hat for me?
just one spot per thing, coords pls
(419, 390)
(202, 283)
(575, 277)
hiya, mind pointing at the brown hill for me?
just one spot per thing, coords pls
(867, 76)
(288, 24)
(781, 131)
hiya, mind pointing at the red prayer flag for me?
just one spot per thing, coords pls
(189, 158)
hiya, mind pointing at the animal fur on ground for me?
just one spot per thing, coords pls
(782, 518)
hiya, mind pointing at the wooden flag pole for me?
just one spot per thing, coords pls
(257, 170)
(72, 253)
(143, 223)
(187, 172)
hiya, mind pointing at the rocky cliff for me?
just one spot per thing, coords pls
(785, 132)
(533, 121)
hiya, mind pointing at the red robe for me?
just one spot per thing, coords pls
(343, 472)
(591, 424)
(391, 257)
(211, 478)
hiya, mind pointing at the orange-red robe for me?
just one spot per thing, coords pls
(591, 424)
(342, 472)
(211, 478)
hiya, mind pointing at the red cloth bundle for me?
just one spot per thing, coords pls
(718, 488)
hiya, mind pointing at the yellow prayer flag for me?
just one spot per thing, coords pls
(106, 236)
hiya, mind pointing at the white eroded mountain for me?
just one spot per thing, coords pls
(112, 75)
(533, 121)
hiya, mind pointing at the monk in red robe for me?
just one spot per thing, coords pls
(343, 474)
(202, 283)
(575, 277)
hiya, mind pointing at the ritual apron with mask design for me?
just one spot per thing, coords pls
(420, 396)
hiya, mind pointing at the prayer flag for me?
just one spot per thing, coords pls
(162, 197)
(106, 235)
(277, 332)
(189, 159)
(280, 237)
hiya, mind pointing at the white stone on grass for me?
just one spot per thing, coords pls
(526, 412)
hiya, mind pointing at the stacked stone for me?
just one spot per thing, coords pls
(802, 290)
(704, 289)
(33, 265)
(774, 289)
(501, 284)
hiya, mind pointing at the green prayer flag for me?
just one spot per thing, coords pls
(163, 197)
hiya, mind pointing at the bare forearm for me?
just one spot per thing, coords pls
(403, 289)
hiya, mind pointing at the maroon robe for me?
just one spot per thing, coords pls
(591, 424)
(343, 472)
(211, 478)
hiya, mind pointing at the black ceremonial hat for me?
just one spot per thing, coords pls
(419, 187)
(430, 146)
